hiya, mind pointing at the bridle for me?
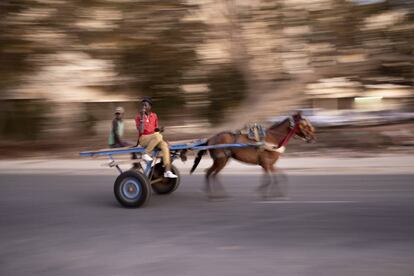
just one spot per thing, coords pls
(294, 126)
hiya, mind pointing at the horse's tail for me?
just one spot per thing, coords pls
(198, 158)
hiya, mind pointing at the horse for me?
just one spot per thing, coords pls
(275, 140)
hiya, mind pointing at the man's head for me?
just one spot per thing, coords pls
(146, 104)
(119, 112)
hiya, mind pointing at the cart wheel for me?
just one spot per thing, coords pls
(136, 169)
(162, 185)
(132, 189)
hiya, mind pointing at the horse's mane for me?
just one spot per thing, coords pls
(277, 124)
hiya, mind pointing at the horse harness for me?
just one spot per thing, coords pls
(257, 133)
(226, 152)
(281, 147)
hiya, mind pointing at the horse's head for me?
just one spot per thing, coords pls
(305, 130)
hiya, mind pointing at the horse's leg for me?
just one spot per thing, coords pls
(266, 182)
(220, 164)
(279, 179)
(282, 177)
(209, 171)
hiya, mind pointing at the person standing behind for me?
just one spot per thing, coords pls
(150, 136)
(115, 139)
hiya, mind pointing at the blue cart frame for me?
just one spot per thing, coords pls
(133, 187)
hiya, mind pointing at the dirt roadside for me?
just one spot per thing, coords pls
(356, 141)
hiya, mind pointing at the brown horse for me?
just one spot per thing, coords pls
(276, 139)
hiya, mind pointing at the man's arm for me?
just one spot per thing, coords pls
(141, 122)
(158, 128)
(138, 122)
(156, 123)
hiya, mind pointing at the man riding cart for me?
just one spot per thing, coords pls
(149, 136)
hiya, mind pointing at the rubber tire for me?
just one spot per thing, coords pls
(168, 185)
(139, 180)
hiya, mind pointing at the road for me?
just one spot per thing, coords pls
(331, 225)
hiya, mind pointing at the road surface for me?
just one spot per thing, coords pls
(331, 225)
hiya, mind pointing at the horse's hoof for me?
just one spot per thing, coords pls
(283, 198)
(278, 198)
(217, 197)
(262, 192)
(266, 198)
(223, 196)
(261, 189)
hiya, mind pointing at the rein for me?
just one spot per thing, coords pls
(293, 127)
(288, 136)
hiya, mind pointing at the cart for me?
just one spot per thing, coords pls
(133, 187)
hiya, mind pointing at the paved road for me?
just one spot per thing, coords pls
(332, 225)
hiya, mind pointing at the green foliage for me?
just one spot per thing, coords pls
(23, 119)
(14, 48)
(157, 49)
(227, 88)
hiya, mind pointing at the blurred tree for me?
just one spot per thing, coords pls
(151, 43)
(15, 49)
(156, 47)
(228, 88)
(23, 119)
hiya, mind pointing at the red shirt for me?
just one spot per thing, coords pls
(150, 123)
